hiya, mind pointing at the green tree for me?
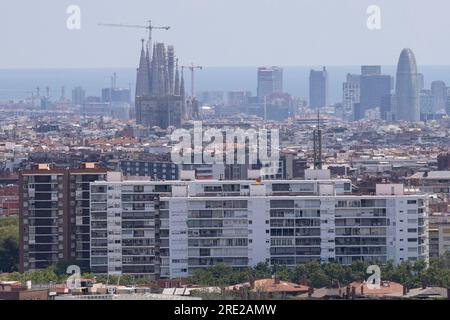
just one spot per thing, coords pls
(9, 244)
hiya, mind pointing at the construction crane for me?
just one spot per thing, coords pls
(149, 28)
(192, 68)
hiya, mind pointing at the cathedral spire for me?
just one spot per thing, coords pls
(176, 90)
(155, 72)
(170, 69)
(142, 77)
(182, 92)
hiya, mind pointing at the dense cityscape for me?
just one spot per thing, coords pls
(90, 188)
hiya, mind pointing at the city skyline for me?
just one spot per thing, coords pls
(224, 150)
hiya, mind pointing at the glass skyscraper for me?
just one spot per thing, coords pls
(407, 87)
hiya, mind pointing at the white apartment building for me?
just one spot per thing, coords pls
(168, 229)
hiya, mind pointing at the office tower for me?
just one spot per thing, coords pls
(427, 101)
(386, 108)
(55, 215)
(447, 103)
(350, 93)
(169, 229)
(160, 111)
(270, 81)
(407, 88)
(318, 88)
(373, 87)
(439, 93)
(370, 70)
(421, 81)
(78, 96)
(358, 113)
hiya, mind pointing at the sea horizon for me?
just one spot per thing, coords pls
(17, 83)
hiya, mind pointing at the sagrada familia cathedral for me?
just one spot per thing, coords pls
(160, 95)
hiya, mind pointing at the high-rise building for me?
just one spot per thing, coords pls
(407, 88)
(169, 229)
(370, 70)
(421, 80)
(55, 215)
(426, 105)
(439, 93)
(270, 81)
(318, 88)
(78, 96)
(386, 109)
(447, 103)
(373, 87)
(350, 93)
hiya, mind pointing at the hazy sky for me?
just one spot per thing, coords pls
(224, 32)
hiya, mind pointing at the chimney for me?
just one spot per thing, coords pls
(353, 293)
(405, 290)
(362, 289)
(347, 292)
(276, 280)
